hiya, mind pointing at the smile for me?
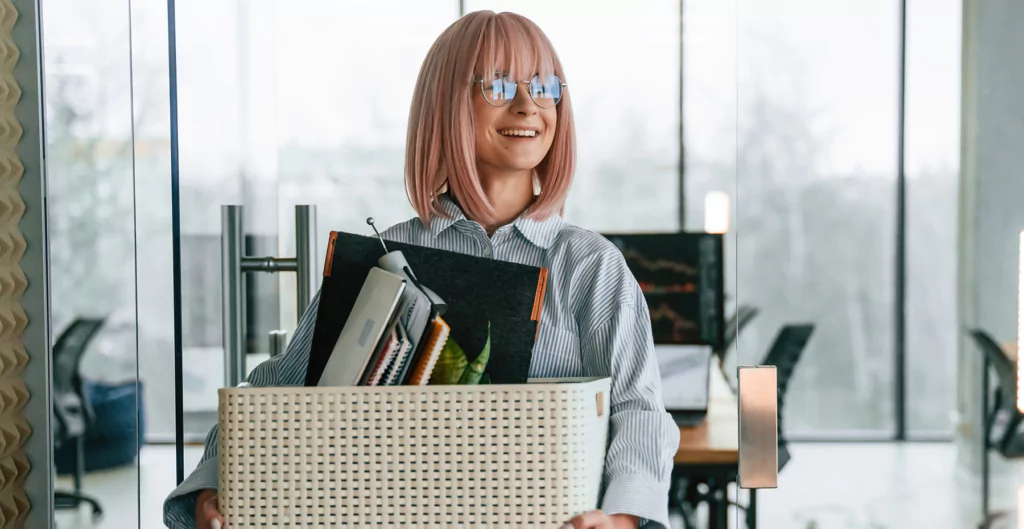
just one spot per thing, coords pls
(522, 133)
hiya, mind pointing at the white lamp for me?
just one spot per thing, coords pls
(716, 212)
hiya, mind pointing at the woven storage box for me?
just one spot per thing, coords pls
(470, 456)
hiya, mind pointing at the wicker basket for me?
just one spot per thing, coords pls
(464, 456)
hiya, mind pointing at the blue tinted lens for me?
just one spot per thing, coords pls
(546, 90)
(500, 90)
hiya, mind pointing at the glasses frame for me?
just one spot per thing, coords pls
(517, 83)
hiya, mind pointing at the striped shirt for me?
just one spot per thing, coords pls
(594, 323)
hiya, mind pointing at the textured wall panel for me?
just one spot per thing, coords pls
(14, 429)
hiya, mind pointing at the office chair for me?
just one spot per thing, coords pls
(74, 416)
(1004, 403)
(784, 354)
(743, 316)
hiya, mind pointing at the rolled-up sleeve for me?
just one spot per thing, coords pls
(288, 369)
(643, 438)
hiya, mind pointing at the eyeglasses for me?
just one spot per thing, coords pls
(545, 90)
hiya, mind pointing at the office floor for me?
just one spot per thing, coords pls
(825, 486)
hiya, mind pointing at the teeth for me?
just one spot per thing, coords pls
(517, 132)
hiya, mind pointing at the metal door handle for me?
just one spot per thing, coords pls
(234, 263)
(758, 422)
(278, 342)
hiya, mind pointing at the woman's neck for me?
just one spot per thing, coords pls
(510, 194)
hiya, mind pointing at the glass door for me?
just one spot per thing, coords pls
(846, 140)
(282, 106)
(99, 416)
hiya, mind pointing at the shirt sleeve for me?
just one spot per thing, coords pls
(643, 436)
(288, 369)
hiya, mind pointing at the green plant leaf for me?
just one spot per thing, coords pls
(450, 364)
(475, 370)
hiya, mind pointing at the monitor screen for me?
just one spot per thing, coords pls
(682, 278)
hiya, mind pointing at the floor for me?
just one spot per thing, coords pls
(825, 486)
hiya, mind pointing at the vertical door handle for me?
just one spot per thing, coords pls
(758, 427)
(278, 342)
(306, 270)
(234, 263)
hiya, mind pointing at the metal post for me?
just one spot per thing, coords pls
(232, 295)
(305, 257)
(278, 342)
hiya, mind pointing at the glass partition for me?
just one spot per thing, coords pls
(99, 405)
(817, 166)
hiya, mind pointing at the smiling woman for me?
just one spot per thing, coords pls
(510, 48)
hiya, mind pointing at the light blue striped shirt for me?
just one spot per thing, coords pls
(594, 323)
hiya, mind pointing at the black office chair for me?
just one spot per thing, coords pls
(784, 354)
(73, 414)
(1003, 406)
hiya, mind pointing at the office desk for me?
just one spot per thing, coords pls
(716, 440)
(709, 453)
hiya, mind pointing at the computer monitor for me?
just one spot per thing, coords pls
(682, 278)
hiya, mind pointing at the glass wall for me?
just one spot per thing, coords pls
(89, 166)
(815, 199)
(266, 124)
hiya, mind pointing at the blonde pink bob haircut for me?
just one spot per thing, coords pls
(441, 143)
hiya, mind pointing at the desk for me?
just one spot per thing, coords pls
(716, 440)
(709, 453)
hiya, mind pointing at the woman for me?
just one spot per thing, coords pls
(489, 159)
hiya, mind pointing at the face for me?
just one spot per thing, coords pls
(514, 137)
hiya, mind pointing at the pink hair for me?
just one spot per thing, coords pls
(441, 148)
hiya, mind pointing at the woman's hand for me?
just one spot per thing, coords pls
(207, 514)
(599, 520)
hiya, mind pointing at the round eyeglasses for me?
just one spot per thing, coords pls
(545, 90)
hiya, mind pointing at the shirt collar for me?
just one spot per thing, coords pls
(439, 223)
(541, 233)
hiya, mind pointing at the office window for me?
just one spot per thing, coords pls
(932, 161)
(628, 157)
(814, 197)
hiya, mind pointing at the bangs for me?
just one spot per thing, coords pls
(514, 45)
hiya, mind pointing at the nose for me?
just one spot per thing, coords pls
(523, 104)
